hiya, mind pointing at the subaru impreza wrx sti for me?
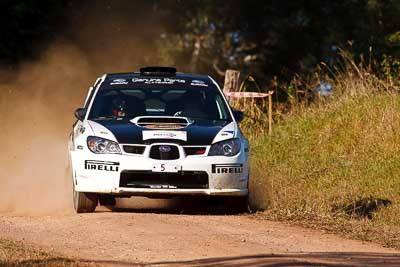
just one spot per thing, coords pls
(156, 133)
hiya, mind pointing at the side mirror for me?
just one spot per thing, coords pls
(80, 113)
(238, 115)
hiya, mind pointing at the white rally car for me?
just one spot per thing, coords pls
(157, 133)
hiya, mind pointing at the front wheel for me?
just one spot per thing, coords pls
(84, 202)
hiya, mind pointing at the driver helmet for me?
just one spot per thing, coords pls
(119, 107)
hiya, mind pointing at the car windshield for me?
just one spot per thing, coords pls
(128, 103)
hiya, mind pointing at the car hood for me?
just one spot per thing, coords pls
(197, 133)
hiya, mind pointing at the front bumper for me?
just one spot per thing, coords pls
(186, 192)
(89, 177)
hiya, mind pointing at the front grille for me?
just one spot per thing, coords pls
(199, 150)
(164, 152)
(179, 180)
(134, 149)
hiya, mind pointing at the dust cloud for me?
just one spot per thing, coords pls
(38, 99)
(36, 110)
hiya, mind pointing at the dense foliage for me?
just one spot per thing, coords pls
(25, 25)
(265, 38)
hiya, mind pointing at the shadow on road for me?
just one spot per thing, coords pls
(309, 259)
(276, 260)
(306, 259)
(180, 205)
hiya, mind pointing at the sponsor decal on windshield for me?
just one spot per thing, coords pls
(158, 80)
(118, 81)
(178, 135)
(107, 166)
(198, 83)
(227, 168)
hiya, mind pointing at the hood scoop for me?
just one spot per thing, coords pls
(162, 122)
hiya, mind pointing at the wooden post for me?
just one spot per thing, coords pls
(231, 81)
(319, 98)
(270, 112)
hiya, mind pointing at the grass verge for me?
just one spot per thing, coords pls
(15, 254)
(336, 167)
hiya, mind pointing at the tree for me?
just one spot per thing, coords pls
(269, 38)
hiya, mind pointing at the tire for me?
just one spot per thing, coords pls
(84, 202)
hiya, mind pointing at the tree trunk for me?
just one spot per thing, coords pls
(195, 54)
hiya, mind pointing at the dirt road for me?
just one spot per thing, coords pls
(163, 237)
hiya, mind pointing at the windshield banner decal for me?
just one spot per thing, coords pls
(158, 80)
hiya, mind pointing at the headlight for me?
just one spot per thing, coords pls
(225, 148)
(100, 145)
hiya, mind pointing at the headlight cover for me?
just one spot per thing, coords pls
(227, 148)
(100, 145)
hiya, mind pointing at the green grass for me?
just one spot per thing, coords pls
(336, 166)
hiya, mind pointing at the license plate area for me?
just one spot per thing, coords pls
(165, 167)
